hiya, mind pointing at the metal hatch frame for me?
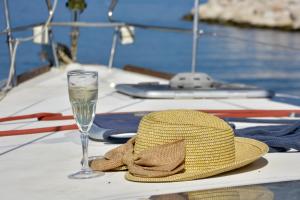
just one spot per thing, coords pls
(160, 91)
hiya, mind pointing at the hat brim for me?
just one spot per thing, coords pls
(246, 151)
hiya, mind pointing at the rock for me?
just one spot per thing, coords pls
(262, 13)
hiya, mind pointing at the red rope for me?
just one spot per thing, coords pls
(59, 116)
(38, 130)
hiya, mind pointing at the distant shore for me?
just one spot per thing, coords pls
(275, 14)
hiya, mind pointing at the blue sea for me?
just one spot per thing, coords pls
(239, 55)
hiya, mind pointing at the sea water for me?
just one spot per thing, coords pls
(241, 56)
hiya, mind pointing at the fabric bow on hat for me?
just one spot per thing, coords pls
(159, 161)
(180, 145)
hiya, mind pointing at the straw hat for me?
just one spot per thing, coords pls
(233, 193)
(188, 145)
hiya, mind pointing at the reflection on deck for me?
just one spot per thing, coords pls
(282, 190)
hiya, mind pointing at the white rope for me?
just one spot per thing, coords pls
(17, 41)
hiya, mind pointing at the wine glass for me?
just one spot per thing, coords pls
(83, 95)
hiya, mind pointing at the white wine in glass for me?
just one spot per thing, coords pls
(83, 95)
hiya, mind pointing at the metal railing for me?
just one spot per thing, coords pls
(195, 31)
(113, 24)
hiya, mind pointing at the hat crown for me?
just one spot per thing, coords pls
(188, 117)
(209, 141)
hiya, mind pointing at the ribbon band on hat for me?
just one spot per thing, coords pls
(159, 161)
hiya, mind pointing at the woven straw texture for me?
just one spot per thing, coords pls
(210, 145)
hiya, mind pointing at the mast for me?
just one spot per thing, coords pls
(195, 36)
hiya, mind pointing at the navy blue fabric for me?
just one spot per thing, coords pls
(112, 124)
(119, 122)
(279, 138)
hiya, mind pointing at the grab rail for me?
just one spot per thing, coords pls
(195, 31)
(112, 23)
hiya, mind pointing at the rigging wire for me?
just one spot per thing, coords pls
(15, 46)
(150, 27)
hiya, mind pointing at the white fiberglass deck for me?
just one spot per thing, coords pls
(36, 166)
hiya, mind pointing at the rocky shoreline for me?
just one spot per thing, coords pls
(278, 14)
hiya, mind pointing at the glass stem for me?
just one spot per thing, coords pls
(85, 145)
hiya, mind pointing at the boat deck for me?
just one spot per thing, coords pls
(37, 166)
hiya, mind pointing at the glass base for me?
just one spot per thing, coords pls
(85, 174)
